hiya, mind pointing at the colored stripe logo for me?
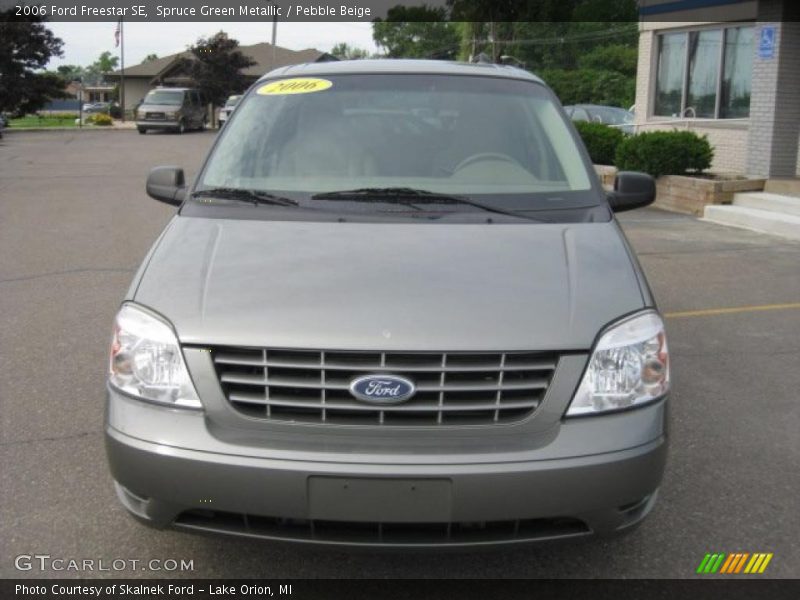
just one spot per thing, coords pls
(735, 563)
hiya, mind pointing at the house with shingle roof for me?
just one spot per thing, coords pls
(169, 70)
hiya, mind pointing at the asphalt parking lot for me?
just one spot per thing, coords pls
(75, 224)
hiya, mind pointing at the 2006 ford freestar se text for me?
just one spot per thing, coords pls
(394, 309)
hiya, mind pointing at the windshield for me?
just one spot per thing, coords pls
(166, 97)
(613, 116)
(464, 135)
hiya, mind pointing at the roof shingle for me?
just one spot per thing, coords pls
(262, 54)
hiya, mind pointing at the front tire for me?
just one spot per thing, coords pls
(182, 127)
(141, 130)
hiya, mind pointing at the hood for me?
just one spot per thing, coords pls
(390, 286)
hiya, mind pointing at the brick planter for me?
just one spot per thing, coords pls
(607, 175)
(690, 195)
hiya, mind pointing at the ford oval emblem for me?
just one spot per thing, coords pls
(382, 389)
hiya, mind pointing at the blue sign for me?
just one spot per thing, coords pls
(766, 42)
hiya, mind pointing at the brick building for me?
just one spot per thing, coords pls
(735, 79)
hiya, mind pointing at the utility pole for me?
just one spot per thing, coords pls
(122, 70)
(494, 41)
(274, 28)
(119, 37)
(274, 34)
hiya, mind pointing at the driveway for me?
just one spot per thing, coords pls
(74, 225)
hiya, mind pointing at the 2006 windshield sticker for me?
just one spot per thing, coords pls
(299, 85)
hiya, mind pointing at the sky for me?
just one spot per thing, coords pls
(84, 42)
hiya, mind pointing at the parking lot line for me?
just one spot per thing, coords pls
(731, 310)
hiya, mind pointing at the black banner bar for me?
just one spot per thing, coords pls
(369, 10)
(400, 589)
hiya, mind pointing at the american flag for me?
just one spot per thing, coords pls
(116, 34)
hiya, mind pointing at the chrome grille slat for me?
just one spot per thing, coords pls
(355, 406)
(532, 366)
(297, 382)
(453, 388)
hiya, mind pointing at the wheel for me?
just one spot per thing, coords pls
(141, 130)
(182, 127)
(202, 125)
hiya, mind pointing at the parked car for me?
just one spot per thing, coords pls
(173, 109)
(226, 110)
(609, 115)
(96, 107)
(394, 309)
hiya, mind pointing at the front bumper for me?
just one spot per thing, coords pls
(157, 124)
(318, 498)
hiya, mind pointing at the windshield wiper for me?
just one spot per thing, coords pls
(402, 195)
(253, 196)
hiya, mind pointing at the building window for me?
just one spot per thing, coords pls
(704, 73)
(704, 68)
(738, 71)
(669, 79)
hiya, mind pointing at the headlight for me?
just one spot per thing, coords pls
(629, 367)
(146, 360)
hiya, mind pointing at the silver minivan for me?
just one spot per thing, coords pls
(394, 309)
(171, 109)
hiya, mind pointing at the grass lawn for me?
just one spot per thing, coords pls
(34, 121)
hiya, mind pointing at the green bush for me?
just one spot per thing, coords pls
(601, 141)
(665, 153)
(100, 119)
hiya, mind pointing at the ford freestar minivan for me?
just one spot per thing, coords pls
(394, 309)
(171, 109)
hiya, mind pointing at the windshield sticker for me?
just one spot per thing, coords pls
(298, 85)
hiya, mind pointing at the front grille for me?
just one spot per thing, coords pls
(393, 534)
(155, 116)
(312, 386)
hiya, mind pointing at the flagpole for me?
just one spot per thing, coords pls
(122, 70)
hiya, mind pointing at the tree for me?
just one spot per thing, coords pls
(106, 63)
(544, 33)
(616, 57)
(591, 86)
(416, 32)
(216, 67)
(26, 48)
(70, 72)
(150, 58)
(345, 51)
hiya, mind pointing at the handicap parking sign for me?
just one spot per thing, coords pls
(766, 43)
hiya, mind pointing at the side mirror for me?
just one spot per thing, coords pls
(632, 190)
(166, 184)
